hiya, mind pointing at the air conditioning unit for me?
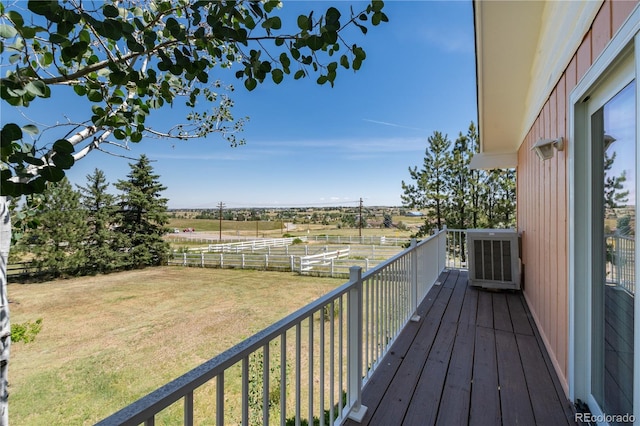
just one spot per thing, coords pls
(494, 258)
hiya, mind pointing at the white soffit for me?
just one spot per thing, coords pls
(522, 48)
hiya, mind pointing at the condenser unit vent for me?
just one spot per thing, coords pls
(494, 258)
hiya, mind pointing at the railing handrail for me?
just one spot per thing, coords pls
(149, 405)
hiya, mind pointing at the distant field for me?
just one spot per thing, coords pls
(108, 340)
(275, 229)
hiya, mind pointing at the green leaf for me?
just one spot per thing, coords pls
(10, 132)
(52, 174)
(344, 61)
(136, 137)
(7, 31)
(80, 90)
(274, 23)
(303, 23)
(250, 83)
(64, 161)
(34, 161)
(16, 18)
(277, 76)
(119, 134)
(63, 146)
(37, 88)
(110, 11)
(95, 96)
(31, 129)
(315, 42)
(299, 74)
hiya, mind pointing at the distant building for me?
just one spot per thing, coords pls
(414, 214)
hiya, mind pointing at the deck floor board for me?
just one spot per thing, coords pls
(474, 358)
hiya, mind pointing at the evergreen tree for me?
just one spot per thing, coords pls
(101, 209)
(142, 216)
(476, 179)
(430, 188)
(459, 184)
(58, 242)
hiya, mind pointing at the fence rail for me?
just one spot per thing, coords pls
(310, 359)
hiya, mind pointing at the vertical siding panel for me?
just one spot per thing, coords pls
(584, 56)
(601, 29)
(620, 11)
(548, 192)
(553, 221)
(537, 167)
(562, 277)
(572, 78)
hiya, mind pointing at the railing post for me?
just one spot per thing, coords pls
(354, 349)
(414, 280)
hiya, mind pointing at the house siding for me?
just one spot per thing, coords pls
(542, 195)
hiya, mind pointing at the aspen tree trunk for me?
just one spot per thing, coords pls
(5, 326)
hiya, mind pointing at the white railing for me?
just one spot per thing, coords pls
(621, 262)
(311, 364)
(457, 248)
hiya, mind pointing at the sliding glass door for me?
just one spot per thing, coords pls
(613, 144)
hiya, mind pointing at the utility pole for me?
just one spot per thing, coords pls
(220, 206)
(360, 220)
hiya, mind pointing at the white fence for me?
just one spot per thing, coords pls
(295, 258)
(310, 359)
(254, 244)
(351, 239)
(308, 263)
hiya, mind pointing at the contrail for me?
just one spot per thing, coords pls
(384, 123)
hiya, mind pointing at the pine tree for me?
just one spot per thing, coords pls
(430, 188)
(143, 214)
(58, 242)
(459, 184)
(101, 209)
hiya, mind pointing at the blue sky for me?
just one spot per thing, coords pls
(310, 145)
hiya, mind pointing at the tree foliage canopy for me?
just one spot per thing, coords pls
(454, 195)
(128, 58)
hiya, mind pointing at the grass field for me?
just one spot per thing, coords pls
(108, 340)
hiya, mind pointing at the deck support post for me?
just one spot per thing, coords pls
(354, 349)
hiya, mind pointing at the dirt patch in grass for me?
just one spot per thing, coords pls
(107, 340)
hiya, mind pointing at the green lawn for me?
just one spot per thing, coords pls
(108, 340)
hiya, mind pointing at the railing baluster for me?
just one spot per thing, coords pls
(322, 372)
(298, 373)
(283, 378)
(341, 354)
(332, 361)
(245, 390)
(265, 385)
(188, 409)
(220, 399)
(311, 368)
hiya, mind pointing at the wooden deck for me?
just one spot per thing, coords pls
(474, 358)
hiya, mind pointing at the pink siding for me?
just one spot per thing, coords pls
(542, 194)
